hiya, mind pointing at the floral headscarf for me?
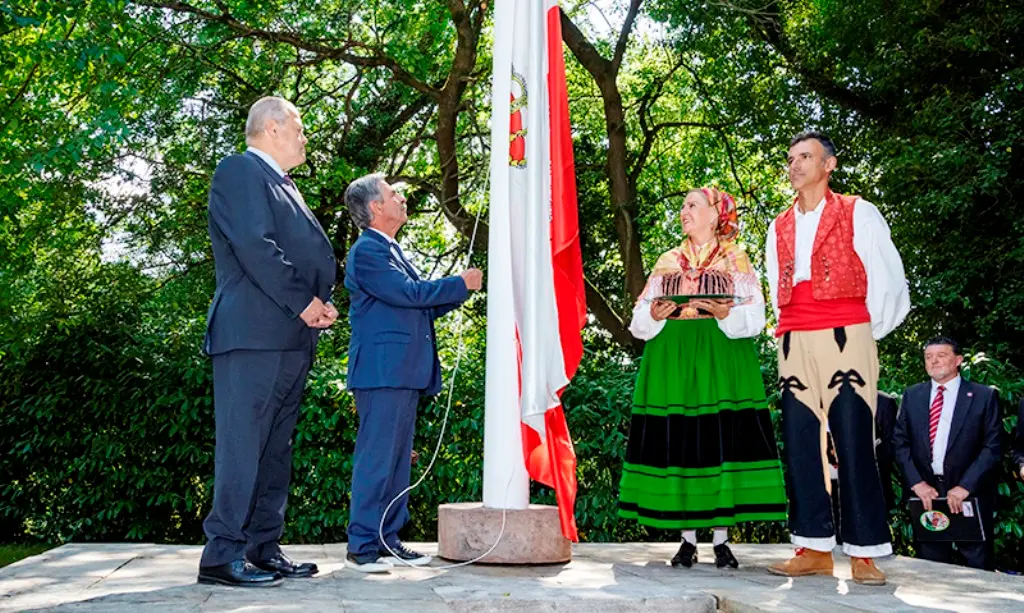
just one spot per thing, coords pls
(728, 221)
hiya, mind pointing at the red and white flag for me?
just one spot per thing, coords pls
(536, 299)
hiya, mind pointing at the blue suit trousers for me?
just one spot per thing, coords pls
(381, 467)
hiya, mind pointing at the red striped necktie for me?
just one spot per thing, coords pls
(933, 417)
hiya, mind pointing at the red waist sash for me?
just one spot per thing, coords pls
(804, 313)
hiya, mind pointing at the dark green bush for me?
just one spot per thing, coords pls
(105, 425)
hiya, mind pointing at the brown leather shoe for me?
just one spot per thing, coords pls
(805, 562)
(865, 572)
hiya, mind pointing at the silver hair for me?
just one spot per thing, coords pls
(262, 111)
(358, 196)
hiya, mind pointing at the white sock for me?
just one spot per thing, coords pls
(690, 536)
(721, 536)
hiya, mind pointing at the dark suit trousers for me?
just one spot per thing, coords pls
(977, 555)
(381, 467)
(256, 402)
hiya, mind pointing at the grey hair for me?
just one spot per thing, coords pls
(262, 111)
(358, 196)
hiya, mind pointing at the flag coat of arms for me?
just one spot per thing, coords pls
(536, 298)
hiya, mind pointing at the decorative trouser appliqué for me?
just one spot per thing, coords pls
(832, 375)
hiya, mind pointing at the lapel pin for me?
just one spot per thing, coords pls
(970, 394)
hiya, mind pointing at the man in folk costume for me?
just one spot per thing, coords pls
(837, 285)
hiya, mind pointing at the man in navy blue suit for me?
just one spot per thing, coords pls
(392, 362)
(275, 273)
(946, 443)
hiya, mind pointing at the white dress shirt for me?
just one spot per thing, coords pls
(263, 155)
(888, 298)
(945, 420)
(391, 240)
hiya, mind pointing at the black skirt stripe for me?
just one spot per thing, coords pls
(701, 441)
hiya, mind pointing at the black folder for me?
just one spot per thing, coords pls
(941, 525)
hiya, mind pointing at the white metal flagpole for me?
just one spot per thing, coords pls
(506, 483)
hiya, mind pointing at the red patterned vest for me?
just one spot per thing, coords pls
(836, 295)
(836, 270)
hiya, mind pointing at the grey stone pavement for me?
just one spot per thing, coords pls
(602, 578)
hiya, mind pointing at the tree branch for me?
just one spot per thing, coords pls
(320, 47)
(769, 27)
(31, 74)
(468, 26)
(189, 267)
(585, 52)
(609, 320)
(706, 94)
(650, 134)
(622, 190)
(627, 27)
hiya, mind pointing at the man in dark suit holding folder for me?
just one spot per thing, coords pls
(946, 444)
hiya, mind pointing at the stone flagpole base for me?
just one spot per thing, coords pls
(466, 530)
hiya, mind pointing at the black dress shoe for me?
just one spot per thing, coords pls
(240, 574)
(686, 556)
(282, 565)
(724, 557)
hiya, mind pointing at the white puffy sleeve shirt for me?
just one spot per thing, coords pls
(888, 298)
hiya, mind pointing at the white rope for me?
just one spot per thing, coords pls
(440, 439)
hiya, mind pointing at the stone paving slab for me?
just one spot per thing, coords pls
(620, 578)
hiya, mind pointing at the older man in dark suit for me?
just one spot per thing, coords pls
(392, 362)
(275, 273)
(946, 443)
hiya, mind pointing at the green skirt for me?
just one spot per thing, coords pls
(701, 450)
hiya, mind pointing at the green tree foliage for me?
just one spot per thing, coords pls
(113, 115)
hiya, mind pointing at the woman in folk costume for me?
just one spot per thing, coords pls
(701, 450)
